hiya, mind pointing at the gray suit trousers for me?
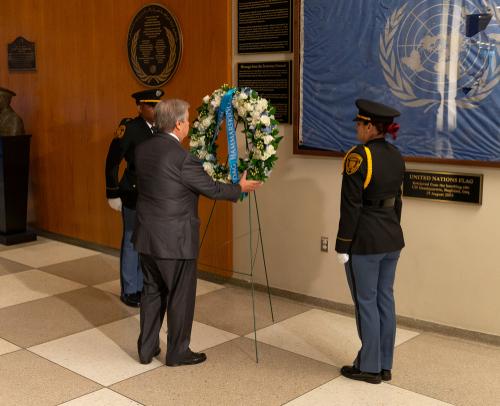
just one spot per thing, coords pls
(169, 284)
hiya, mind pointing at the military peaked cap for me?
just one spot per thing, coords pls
(9, 92)
(151, 96)
(370, 111)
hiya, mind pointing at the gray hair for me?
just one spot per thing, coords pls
(168, 112)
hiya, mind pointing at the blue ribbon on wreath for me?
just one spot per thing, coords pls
(226, 109)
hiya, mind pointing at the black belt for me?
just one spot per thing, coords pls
(379, 203)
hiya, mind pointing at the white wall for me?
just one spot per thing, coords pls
(449, 272)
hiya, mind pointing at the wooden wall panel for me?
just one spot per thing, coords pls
(74, 101)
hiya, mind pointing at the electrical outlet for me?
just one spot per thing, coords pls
(324, 244)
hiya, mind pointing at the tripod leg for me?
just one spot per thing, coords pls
(208, 223)
(251, 278)
(263, 257)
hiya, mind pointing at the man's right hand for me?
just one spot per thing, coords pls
(249, 185)
(115, 204)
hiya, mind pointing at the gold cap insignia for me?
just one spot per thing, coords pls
(353, 162)
(120, 131)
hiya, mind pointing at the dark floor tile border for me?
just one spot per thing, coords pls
(343, 308)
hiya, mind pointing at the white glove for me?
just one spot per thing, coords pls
(342, 258)
(115, 204)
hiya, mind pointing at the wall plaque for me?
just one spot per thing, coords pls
(444, 186)
(265, 26)
(154, 45)
(21, 55)
(273, 81)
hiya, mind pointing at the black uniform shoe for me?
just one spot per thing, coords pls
(352, 372)
(190, 359)
(148, 361)
(130, 299)
(386, 374)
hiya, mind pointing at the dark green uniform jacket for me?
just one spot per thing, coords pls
(129, 134)
(370, 208)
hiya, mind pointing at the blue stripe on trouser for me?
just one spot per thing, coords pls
(130, 269)
(371, 281)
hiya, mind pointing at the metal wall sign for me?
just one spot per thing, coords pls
(265, 26)
(154, 45)
(444, 186)
(21, 55)
(273, 81)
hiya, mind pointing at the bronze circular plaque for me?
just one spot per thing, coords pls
(154, 45)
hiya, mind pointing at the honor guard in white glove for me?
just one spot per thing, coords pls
(342, 258)
(115, 204)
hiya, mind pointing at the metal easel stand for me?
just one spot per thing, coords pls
(253, 257)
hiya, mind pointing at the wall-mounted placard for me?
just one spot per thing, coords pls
(444, 186)
(273, 81)
(265, 26)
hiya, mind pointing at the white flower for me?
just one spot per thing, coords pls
(268, 139)
(270, 150)
(258, 134)
(209, 168)
(242, 112)
(193, 143)
(265, 120)
(210, 157)
(196, 124)
(202, 154)
(206, 99)
(243, 96)
(206, 122)
(248, 107)
(216, 101)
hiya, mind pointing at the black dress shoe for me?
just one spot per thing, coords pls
(352, 372)
(386, 374)
(148, 361)
(190, 358)
(130, 299)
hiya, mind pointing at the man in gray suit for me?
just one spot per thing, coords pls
(166, 234)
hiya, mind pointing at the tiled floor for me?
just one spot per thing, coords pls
(65, 338)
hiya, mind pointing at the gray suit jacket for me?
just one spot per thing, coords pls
(169, 182)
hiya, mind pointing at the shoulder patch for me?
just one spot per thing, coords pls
(120, 131)
(352, 163)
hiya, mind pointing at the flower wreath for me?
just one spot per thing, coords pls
(259, 126)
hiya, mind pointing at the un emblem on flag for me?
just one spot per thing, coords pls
(441, 53)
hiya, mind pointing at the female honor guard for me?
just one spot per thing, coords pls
(370, 238)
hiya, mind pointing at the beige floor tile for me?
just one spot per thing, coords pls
(8, 267)
(202, 336)
(47, 319)
(51, 252)
(203, 287)
(320, 335)
(106, 355)
(6, 347)
(26, 379)
(456, 371)
(346, 392)
(30, 285)
(230, 309)
(230, 376)
(90, 271)
(102, 397)
(111, 287)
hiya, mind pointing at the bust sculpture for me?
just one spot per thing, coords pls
(10, 122)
